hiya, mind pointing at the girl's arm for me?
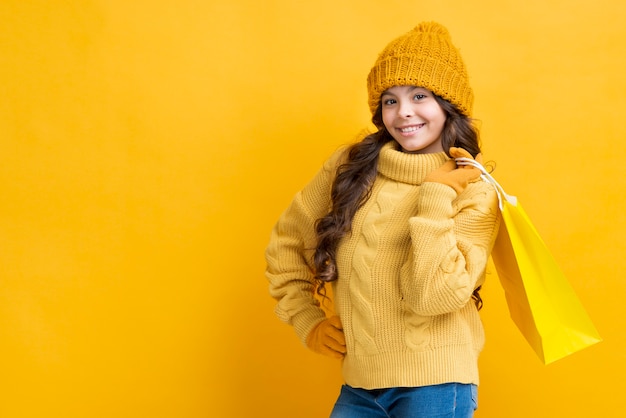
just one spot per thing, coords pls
(289, 255)
(452, 238)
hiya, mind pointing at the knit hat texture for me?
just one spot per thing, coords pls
(423, 57)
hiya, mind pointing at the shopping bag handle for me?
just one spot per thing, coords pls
(463, 161)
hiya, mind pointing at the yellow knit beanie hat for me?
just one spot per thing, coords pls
(423, 57)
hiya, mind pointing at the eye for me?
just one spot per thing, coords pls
(388, 102)
(419, 96)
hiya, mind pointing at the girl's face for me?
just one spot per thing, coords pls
(413, 118)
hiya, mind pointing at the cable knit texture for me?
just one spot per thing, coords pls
(407, 272)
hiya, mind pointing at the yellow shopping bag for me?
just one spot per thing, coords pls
(541, 301)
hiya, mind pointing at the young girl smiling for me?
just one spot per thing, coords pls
(403, 235)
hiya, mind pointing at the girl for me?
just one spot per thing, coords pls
(403, 234)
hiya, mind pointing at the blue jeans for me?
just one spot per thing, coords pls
(450, 400)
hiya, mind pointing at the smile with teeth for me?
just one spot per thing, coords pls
(412, 128)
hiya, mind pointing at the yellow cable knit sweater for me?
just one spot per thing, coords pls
(406, 272)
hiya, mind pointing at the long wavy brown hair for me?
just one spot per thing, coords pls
(353, 183)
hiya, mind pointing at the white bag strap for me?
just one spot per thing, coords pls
(489, 179)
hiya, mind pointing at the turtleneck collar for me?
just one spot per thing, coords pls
(405, 167)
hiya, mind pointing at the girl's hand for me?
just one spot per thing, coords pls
(454, 176)
(462, 153)
(327, 338)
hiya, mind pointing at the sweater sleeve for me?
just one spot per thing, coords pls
(289, 254)
(451, 242)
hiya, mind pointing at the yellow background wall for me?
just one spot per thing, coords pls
(147, 148)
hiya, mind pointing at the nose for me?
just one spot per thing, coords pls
(405, 109)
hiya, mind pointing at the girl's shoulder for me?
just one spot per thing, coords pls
(336, 159)
(341, 153)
